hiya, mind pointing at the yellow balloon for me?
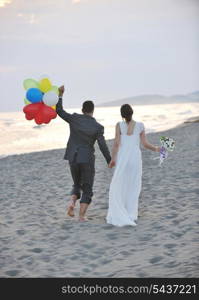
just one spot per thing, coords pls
(45, 85)
(26, 101)
(55, 89)
(54, 107)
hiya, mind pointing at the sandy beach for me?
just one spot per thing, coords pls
(38, 240)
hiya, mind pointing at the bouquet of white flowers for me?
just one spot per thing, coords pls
(167, 144)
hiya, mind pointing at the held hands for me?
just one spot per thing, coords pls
(112, 164)
(61, 90)
(157, 149)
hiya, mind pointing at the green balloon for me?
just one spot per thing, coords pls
(55, 89)
(30, 83)
(26, 101)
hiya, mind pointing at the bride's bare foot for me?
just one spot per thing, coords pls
(83, 219)
(71, 206)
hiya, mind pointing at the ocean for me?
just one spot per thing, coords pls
(17, 135)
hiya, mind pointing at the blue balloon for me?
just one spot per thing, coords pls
(34, 95)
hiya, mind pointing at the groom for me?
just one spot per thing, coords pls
(84, 131)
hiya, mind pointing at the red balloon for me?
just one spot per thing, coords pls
(45, 116)
(48, 113)
(29, 117)
(55, 115)
(32, 109)
(38, 118)
(41, 112)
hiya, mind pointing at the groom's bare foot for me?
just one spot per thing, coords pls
(71, 207)
(70, 210)
(82, 212)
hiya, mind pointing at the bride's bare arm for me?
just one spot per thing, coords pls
(146, 144)
(116, 145)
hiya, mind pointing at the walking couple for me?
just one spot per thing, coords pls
(126, 157)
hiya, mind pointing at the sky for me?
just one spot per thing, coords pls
(101, 50)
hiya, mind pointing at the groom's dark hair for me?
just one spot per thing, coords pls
(88, 107)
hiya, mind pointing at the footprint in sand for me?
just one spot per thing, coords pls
(169, 246)
(23, 257)
(112, 236)
(20, 232)
(86, 270)
(36, 250)
(172, 264)
(105, 261)
(124, 253)
(93, 266)
(12, 273)
(89, 246)
(178, 235)
(155, 259)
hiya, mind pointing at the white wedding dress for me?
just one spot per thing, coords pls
(125, 186)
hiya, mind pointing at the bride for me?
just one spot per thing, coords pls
(126, 182)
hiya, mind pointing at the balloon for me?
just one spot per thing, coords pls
(40, 112)
(50, 98)
(47, 113)
(40, 100)
(38, 118)
(55, 89)
(34, 95)
(30, 83)
(26, 101)
(32, 109)
(45, 85)
(29, 117)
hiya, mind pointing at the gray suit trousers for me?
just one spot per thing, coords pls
(83, 179)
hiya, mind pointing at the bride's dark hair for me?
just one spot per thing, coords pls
(126, 112)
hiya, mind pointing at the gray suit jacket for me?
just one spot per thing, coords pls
(84, 131)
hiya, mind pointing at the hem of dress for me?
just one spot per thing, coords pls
(121, 225)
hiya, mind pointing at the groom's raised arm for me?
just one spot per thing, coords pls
(59, 107)
(61, 112)
(102, 145)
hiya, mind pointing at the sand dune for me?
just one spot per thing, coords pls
(38, 240)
